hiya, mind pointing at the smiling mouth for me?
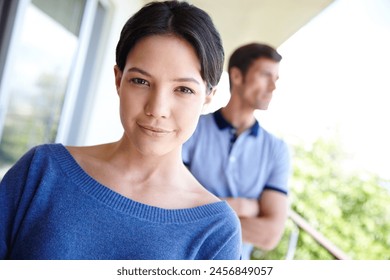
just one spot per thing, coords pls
(154, 129)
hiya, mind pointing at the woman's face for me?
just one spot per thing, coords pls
(161, 93)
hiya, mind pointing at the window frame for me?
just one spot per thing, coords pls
(75, 108)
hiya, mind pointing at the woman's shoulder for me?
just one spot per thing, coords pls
(38, 154)
(32, 166)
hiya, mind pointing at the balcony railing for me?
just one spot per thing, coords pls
(302, 224)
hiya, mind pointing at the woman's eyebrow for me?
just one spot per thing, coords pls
(193, 80)
(139, 70)
(143, 72)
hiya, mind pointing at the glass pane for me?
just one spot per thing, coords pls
(68, 13)
(37, 81)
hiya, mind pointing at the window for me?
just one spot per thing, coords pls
(43, 70)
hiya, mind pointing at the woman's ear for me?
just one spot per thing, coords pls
(208, 99)
(210, 96)
(118, 77)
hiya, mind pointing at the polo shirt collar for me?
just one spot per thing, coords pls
(222, 123)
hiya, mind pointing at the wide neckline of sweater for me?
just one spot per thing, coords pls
(126, 205)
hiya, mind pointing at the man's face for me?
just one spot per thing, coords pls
(257, 86)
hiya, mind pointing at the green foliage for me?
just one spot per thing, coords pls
(32, 118)
(351, 209)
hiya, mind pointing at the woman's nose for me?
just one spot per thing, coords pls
(158, 104)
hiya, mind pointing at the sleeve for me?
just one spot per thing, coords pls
(13, 201)
(225, 239)
(281, 169)
(231, 250)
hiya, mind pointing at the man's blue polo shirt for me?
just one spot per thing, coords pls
(230, 166)
(242, 167)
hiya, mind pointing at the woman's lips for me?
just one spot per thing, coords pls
(155, 129)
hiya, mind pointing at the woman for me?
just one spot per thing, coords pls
(134, 198)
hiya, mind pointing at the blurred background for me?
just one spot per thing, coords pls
(331, 104)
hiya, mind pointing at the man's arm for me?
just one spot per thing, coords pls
(262, 220)
(244, 207)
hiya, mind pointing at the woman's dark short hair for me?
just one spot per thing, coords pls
(180, 19)
(243, 57)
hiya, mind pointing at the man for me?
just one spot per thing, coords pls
(236, 159)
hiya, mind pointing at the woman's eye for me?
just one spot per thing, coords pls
(185, 90)
(139, 81)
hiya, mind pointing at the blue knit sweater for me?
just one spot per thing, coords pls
(51, 209)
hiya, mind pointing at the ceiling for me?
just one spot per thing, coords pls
(268, 21)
